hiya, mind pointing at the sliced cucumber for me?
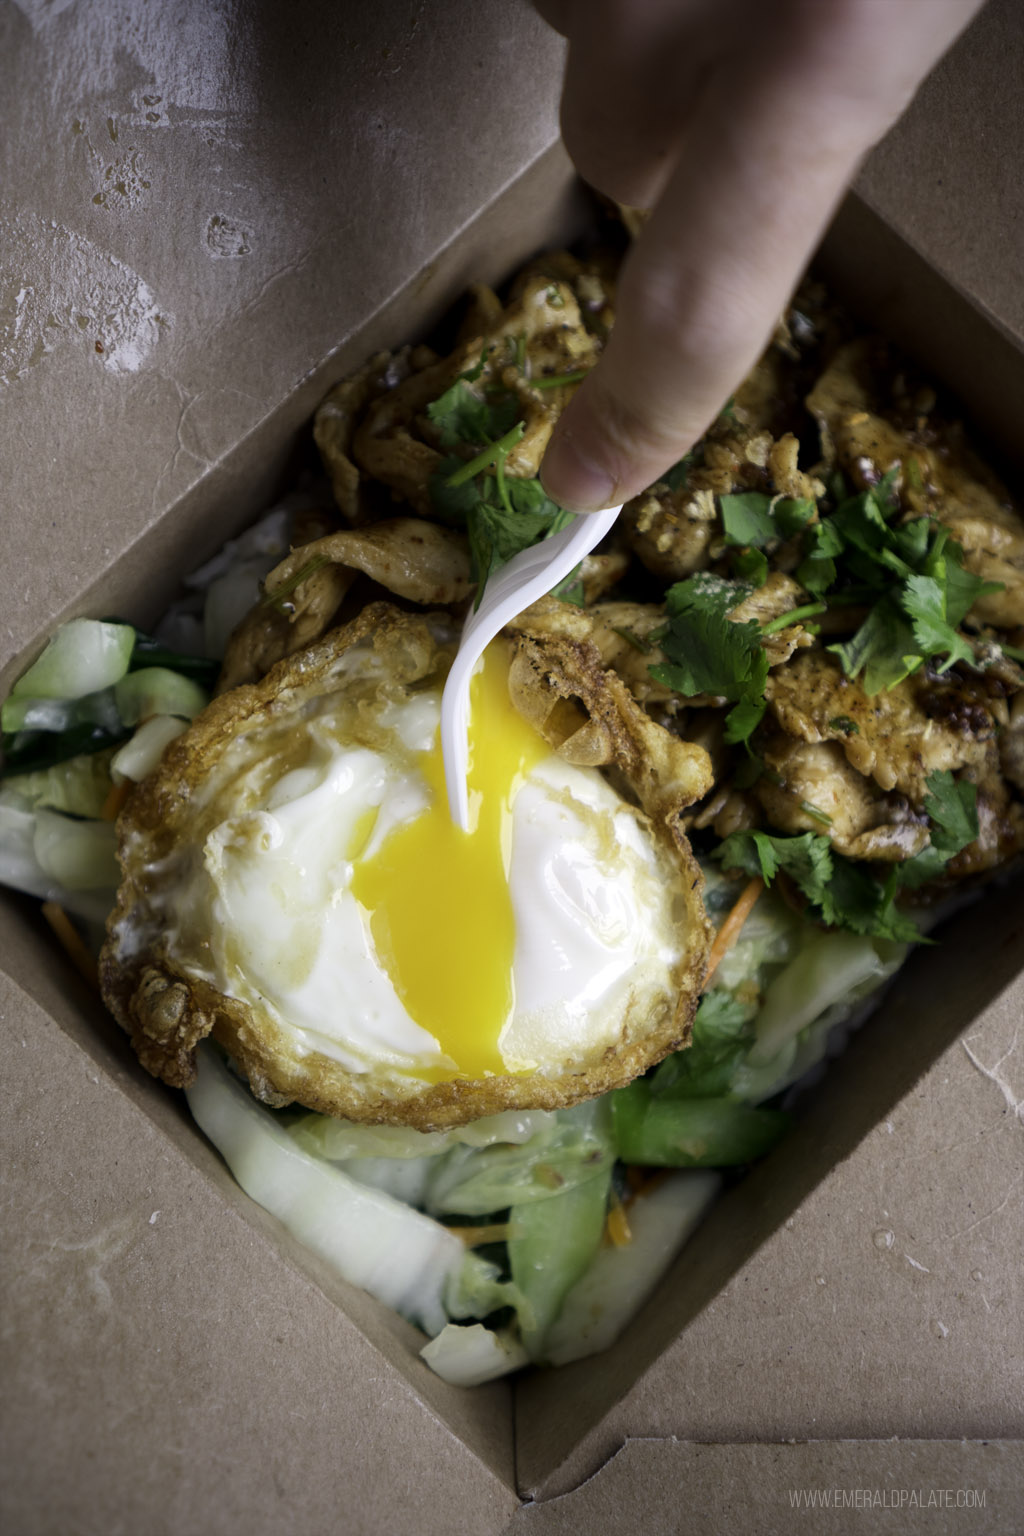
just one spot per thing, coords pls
(825, 969)
(23, 712)
(158, 691)
(84, 656)
(554, 1242)
(79, 786)
(690, 1133)
(20, 868)
(139, 757)
(79, 855)
(619, 1280)
(29, 751)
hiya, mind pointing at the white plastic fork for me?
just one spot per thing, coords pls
(514, 587)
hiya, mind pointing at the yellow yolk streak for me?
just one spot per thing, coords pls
(441, 910)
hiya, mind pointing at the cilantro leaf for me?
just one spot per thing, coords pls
(722, 1036)
(744, 718)
(570, 589)
(884, 648)
(846, 894)
(707, 592)
(496, 534)
(791, 515)
(963, 588)
(501, 514)
(840, 892)
(859, 902)
(676, 477)
(747, 519)
(807, 859)
(709, 654)
(463, 416)
(818, 571)
(452, 503)
(913, 618)
(952, 807)
(924, 599)
(751, 565)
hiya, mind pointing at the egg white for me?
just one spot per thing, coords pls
(283, 932)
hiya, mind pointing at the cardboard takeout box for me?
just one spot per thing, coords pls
(207, 217)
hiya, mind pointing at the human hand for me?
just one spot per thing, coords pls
(740, 124)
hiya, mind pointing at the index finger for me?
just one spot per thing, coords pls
(770, 150)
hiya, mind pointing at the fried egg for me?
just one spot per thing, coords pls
(294, 883)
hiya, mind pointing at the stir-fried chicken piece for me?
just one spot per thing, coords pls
(671, 531)
(623, 631)
(897, 737)
(620, 632)
(939, 477)
(338, 414)
(674, 530)
(417, 560)
(811, 787)
(540, 335)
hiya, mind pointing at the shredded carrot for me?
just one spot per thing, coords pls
(112, 805)
(616, 1227)
(72, 942)
(729, 932)
(473, 1237)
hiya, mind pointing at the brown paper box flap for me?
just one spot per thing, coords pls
(818, 1487)
(220, 204)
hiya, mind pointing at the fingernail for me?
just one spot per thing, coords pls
(574, 480)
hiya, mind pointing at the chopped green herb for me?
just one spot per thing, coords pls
(817, 571)
(747, 519)
(794, 616)
(844, 724)
(840, 893)
(910, 620)
(638, 642)
(925, 601)
(463, 416)
(791, 515)
(570, 589)
(750, 565)
(884, 648)
(557, 380)
(276, 599)
(486, 457)
(815, 813)
(847, 894)
(676, 477)
(707, 653)
(722, 1036)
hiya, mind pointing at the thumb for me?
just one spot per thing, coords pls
(768, 154)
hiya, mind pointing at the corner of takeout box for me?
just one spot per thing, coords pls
(883, 1232)
(796, 1487)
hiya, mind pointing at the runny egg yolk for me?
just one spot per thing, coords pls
(441, 910)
